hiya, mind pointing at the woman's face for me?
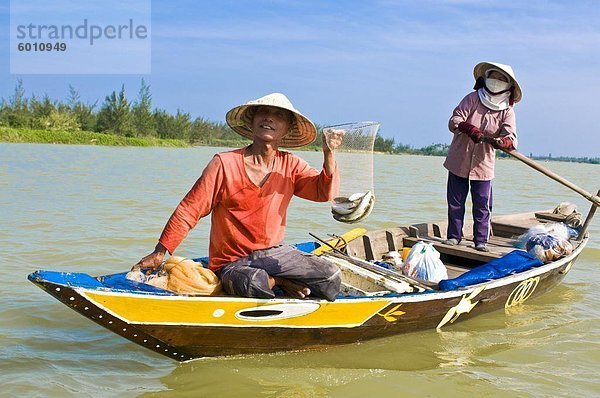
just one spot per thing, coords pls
(498, 76)
(271, 123)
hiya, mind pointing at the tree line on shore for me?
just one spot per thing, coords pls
(119, 116)
(116, 115)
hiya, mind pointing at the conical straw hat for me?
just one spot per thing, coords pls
(302, 132)
(482, 67)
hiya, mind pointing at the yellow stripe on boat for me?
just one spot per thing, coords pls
(346, 237)
(217, 311)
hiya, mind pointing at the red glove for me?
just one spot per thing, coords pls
(473, 132)
(503, 143)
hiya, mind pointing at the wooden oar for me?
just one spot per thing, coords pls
(595, 199)
(588, 219)
(535, 165)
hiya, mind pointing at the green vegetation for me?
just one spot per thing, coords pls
(116, 122)
(556, 159)
(9, 134)
(120, 122)
(569, 159)
(388, 145)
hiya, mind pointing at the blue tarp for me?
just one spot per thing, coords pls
(74, 279)
(512, 263)
(78, 279)
(120, 282)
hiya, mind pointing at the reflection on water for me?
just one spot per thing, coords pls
(98, 210)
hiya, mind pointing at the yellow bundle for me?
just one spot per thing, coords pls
(186, 276)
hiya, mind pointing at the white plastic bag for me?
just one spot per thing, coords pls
(423, 262)
(558, 230)
(547, 242)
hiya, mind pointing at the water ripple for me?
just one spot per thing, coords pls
(98, 210)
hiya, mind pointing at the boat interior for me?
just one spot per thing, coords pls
(458, 259)
(358, 256)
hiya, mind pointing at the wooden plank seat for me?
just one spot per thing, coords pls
(549, 216)
(512, 226)
(501, 241)
(507, 230)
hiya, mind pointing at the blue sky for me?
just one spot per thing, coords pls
(404, 63)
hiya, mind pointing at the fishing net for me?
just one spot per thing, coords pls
(354, 157)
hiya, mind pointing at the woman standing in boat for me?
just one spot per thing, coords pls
(248, 191)
(483, 121)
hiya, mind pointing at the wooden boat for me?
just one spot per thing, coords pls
(375, 302)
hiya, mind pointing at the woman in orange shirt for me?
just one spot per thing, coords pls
(247, 192)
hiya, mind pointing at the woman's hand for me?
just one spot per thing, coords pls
(473, 132)
(153, 260)
(502, 143)
(332, 139)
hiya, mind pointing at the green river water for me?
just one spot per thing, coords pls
(99, 209)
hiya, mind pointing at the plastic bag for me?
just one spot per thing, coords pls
(393, 259)
(159, 279)
(548, 247)
(423, 262)
(181, 275)
(557, 229)
(547, 242)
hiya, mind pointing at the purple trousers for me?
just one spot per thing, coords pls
(481, 194)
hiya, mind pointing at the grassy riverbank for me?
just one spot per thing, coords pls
(23, 135)
(119, 121)
(14, 135)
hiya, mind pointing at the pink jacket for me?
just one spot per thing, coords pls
(476, 161)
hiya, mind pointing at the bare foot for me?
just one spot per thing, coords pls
(293, 289)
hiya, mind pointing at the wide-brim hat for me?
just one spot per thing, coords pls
(482, 67)
(302, 131)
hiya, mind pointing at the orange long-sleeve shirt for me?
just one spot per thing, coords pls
(245, 217)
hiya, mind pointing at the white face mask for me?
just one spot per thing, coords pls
(495, 86)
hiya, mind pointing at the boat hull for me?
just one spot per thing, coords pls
(187, 327)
